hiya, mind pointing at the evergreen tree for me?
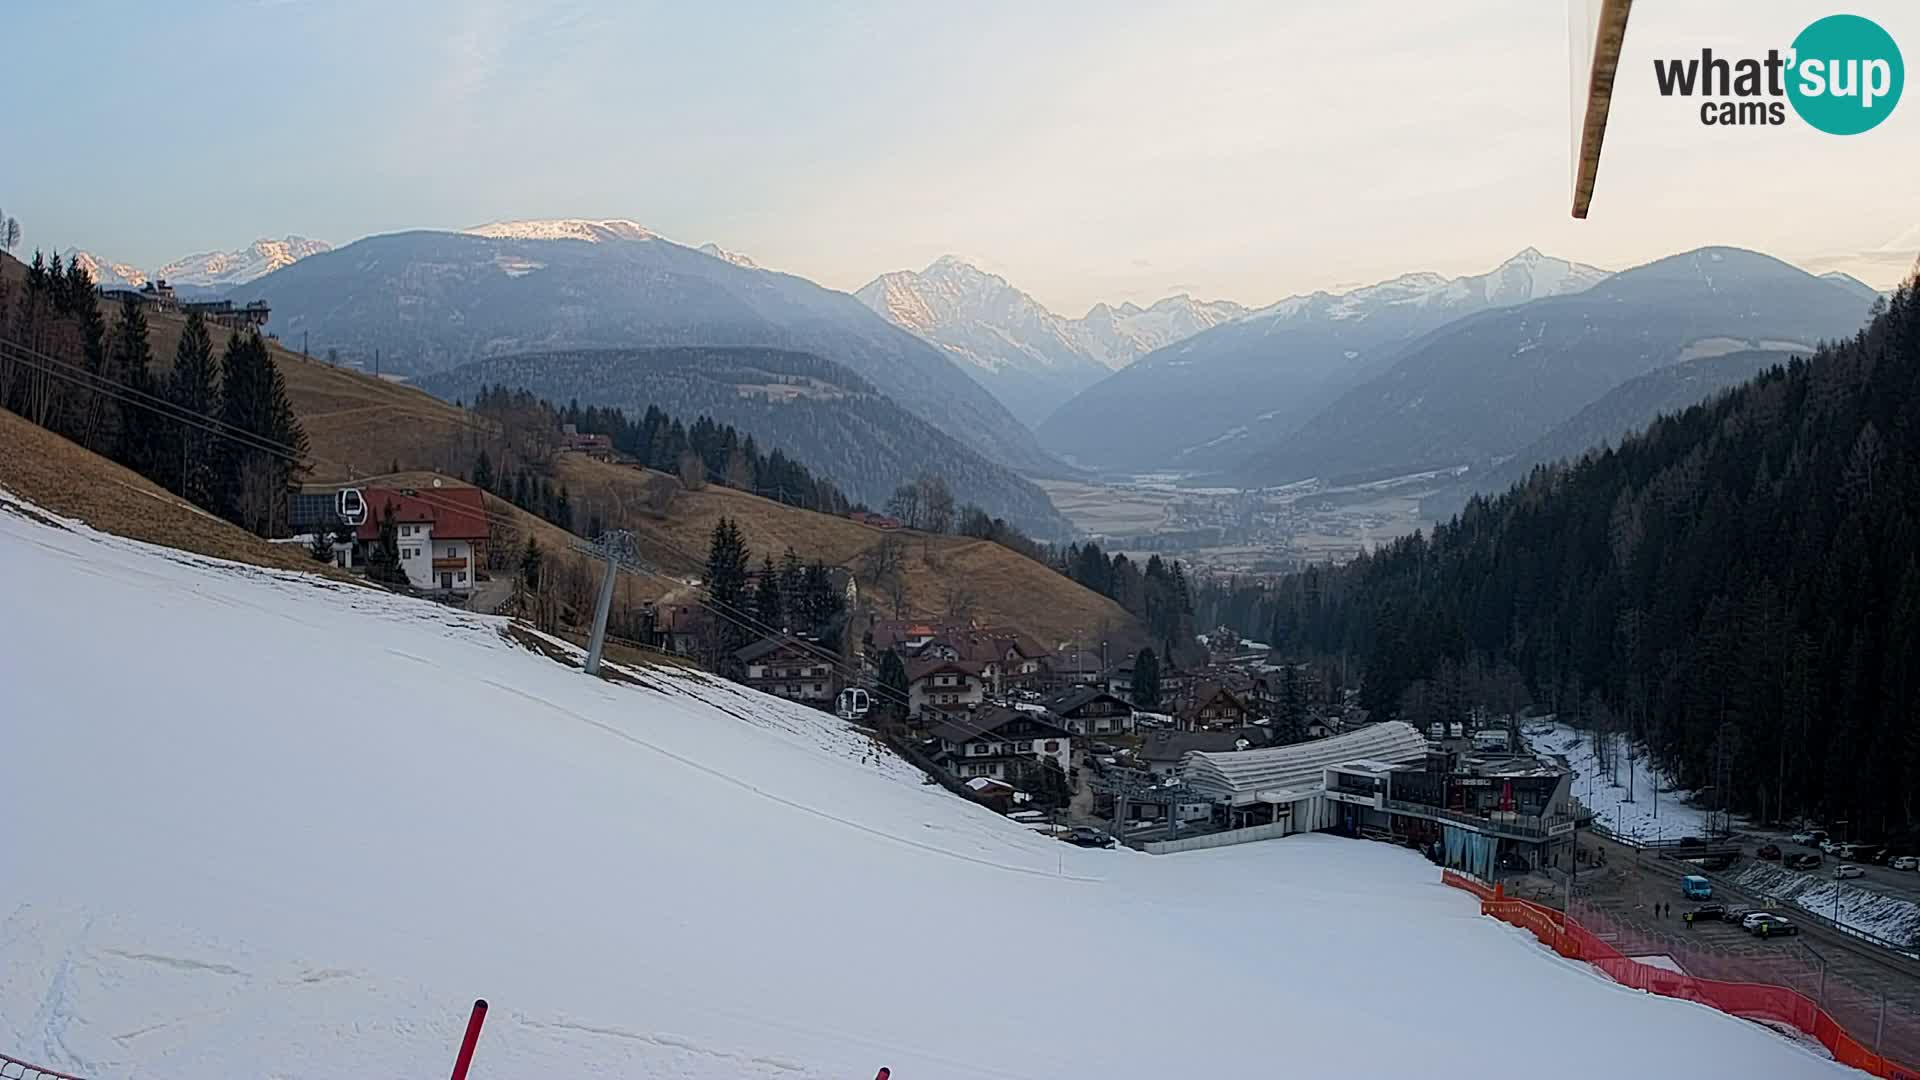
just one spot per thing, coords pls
(892, 694)
(563, 510)
(194, 387)
(139, 444)
(768, 606)
(1145, 688)
(383, 560)
(726, 583)
(483, 472)
(256, 474)
(1291, 725)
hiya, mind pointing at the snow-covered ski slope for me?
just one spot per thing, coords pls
(252, 824)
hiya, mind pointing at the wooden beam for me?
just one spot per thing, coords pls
(1612, 32)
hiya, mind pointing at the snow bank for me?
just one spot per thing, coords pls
(1887, 917)
(260, 824)
(1674, 816)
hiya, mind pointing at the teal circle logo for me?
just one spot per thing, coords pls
(1846, 75)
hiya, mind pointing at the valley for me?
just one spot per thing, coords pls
(1252, 531)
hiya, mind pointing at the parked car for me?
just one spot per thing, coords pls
(1904, 862)
(1088, 836)
(1706, 913)
(1765, 925)
(1692, 841)
(1769, 851)
(1102, 748)
(1829, 846)
(1751, 918)
(1803, 861)
(1805, 838)
(1847, 870)
(1736, 915)
(1695, 887)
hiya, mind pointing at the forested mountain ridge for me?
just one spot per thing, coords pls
(1625, 409)
(816, 411)
(1738, 587)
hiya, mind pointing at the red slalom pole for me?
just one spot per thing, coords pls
(465, 1059)
(883, 1073)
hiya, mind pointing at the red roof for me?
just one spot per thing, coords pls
(456, 513)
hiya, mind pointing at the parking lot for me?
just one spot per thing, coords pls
(1850, 978)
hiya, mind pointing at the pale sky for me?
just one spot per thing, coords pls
(1087, 151)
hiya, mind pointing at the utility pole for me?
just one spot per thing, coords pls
(613, 544)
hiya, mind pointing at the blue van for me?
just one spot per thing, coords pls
(1695, 887)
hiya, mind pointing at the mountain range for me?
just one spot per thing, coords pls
(208, 271)
(1483, 387)
(1215, 398)
(430, 301)
(1031, 359)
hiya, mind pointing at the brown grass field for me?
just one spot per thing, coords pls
(1000, 587)
(58, 475)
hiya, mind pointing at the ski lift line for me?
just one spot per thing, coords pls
(100, 383)
(89, 381)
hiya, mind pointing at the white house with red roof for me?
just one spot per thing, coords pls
(441, 532)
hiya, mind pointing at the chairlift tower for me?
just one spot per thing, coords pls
(616, 547)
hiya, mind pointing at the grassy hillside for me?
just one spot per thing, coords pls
(358, 426)
(58, 475)
(1004, 588)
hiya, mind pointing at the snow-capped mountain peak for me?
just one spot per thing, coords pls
(222, 269)
(108, 274)
(589, 229)
(210, 270)
(724, 255)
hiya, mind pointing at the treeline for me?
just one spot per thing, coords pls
(698, 453)
(1158, 593)
(1738, 589)
(221, 434)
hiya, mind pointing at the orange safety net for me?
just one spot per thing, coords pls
(1570, 939)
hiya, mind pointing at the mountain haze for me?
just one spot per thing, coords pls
(430, 301)
(1484, 387)
(1209, 401)
(1027, 356)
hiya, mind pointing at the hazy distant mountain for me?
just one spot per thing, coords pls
(1625, 409)
(1021, 352)
(1029, 357)
(433, 300)
(1486, 386)
(209, 271)
(817, 412)
(1208, 401)
(1118, 336)
(1848, 281)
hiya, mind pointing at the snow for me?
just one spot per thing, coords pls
(304, 824)
(592, 230)
(1672, 817)
(1661, 961)
(1889, 918)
